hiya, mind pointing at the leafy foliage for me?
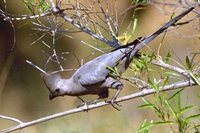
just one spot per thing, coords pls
(36, 6)
(170, 111)
(139, 1)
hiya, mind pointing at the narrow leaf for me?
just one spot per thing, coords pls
(168, 57)
(145, 106)
(165, 81)
(149, 125)
(185, 109)
(192, 117)
(188, 63)
(175, 94)
(171, 109)
(195, 78)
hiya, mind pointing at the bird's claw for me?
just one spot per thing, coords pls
(113, 103)
(84, 106)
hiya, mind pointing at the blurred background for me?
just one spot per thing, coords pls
(24, 96)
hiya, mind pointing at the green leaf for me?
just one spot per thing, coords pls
(29, 5)
(124, 39)
(179, 102)
(173, 74)
(172, 16)
(43, 5)
(192, 117)
(146, 101)
(163, 123)
(149, 125)
(110, 69)
(145, 126)
(140, 64)
(195, 127)
(188, 63)
(146, 106)
(185, 109)
(142, 125)
(36, 6)
(195, 78)
(139, 1)
(150, 105)
(165, 81)
(153, 84)
(116, 71)
(171, 109)
(135, 22)
(174, 95)
(153, 56)
(168, 57)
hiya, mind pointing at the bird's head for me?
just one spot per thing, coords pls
(55, 93)
(62, 87)
(55, 84)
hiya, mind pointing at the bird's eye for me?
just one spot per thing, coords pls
(57, 90)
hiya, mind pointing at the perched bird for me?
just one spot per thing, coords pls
(93, 77)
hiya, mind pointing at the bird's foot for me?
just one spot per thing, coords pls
(114, 103)
(84, 106)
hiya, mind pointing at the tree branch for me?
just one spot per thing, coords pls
(142, 93)
(161, 63)
(88, 31)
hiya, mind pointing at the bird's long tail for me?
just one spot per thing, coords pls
(131, 50)
(148, 39)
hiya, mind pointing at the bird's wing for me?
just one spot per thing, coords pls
(95, 71)
(91, 73)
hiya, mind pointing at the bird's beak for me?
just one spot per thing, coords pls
(51, 96)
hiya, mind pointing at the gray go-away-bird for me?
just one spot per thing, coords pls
(93, 77)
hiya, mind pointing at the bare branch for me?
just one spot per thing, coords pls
(87, 30)
(144, 92)
(107, 18)
(11, 118)
(160, 63)
(38, 68)
(54, 50)
(53, 4)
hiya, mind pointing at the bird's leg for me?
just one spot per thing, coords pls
(102, 95)
(81, 99)
(113, 100)
(83, 104)
(95, 101)
(86, 104)
(116, 85)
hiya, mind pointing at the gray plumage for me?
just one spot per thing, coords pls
(93, 77)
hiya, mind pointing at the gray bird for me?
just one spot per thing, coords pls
(94, 77)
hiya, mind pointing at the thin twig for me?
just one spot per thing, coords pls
(54, 50)
(11, 119)
(161, 63)
(87, 30)
(53, 6)
(107, 18)
(25, 17)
